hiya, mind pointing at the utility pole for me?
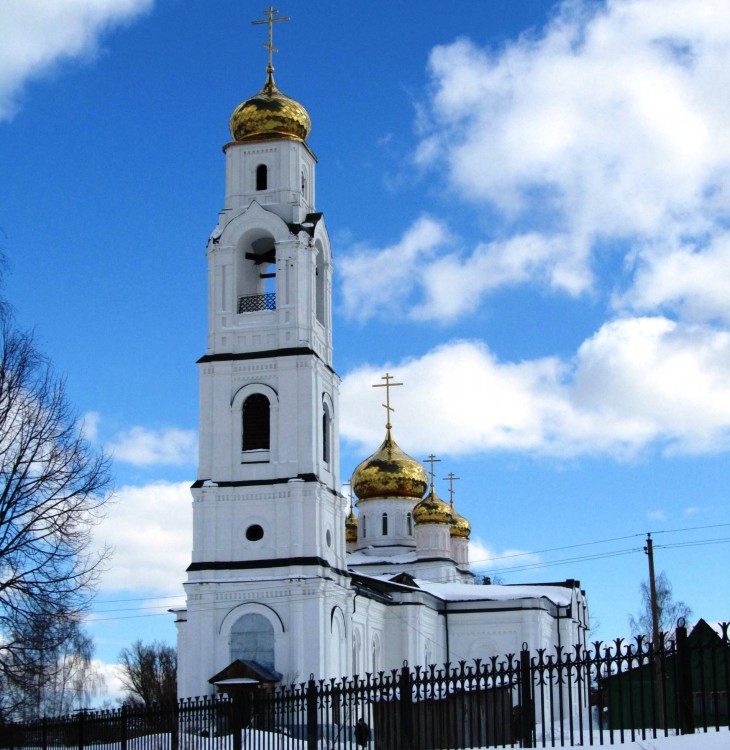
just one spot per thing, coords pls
(658, 681)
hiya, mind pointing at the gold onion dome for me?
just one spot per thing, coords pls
(351, 526)
(389, 472)
(432, 509)
(268, 115)
(460, 527)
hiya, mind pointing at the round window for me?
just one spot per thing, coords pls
(254, 533)
(329, 538)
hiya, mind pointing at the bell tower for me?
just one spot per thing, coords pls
(268, 567)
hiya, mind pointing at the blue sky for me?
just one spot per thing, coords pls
(528, 206)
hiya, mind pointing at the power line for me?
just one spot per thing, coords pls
(511, 569)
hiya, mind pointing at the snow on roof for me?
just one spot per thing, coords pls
(362, 558)
(456, 592)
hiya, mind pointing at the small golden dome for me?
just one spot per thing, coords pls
(351, 526)
(432, 509)
(268, 115)
(460, 527)
(389, 472)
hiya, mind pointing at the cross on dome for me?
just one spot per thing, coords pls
(451, 478)
(387, 385)
(432, 460)
(270, 21)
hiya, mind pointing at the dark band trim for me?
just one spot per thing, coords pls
(295, 351)
(258, 564)
(260, 482)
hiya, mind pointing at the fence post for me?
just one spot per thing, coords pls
(81, 730)
(45, 733)
(527, 704)
(311, 714)
(405, 689)
(123, 726)
(684, 687)
(236, 720)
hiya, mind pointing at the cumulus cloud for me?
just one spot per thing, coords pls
(35, 35)
(149, 528)
(422, 278)
(601, 132)
(90, 425)
(637, 383)
(374, 279)
(687, 279)
(483, 557)
(140, 446)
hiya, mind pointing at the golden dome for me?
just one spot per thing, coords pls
(268, 115)
(460, 527)
(389, 472)
(432, 509)
(351, 526)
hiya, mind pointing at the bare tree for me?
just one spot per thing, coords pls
(669, 611)
(149, 672)
(53, 487)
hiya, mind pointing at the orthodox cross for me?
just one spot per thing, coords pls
(432, 460)
(271, 21)
(387, 385)
(451, 479)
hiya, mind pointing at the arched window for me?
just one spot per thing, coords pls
(252, 638)
(364, 527)
(409, 524)
(319, 287)
(261, 177)
(256, 423)
(304, 184)
(326, 430)
(385, 524)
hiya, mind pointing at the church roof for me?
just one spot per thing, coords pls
(245, 669)
(559, 594)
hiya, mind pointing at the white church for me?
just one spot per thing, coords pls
(283, 572)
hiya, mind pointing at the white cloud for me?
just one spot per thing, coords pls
(90, 425)
(35, 35)
(687, 279)
(418, 278)
(483, 557)
(150, 530)
(376, 280)
(638, 382)
(604, 127)
(142, 447)
(112, 693)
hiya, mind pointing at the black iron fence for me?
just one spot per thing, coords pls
(605, 694)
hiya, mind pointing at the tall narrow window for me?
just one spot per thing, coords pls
(409, 524)
(385, 524)
(261, 177)
(319, 286)
(256, 423)
(364, 527)
(326, 440)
